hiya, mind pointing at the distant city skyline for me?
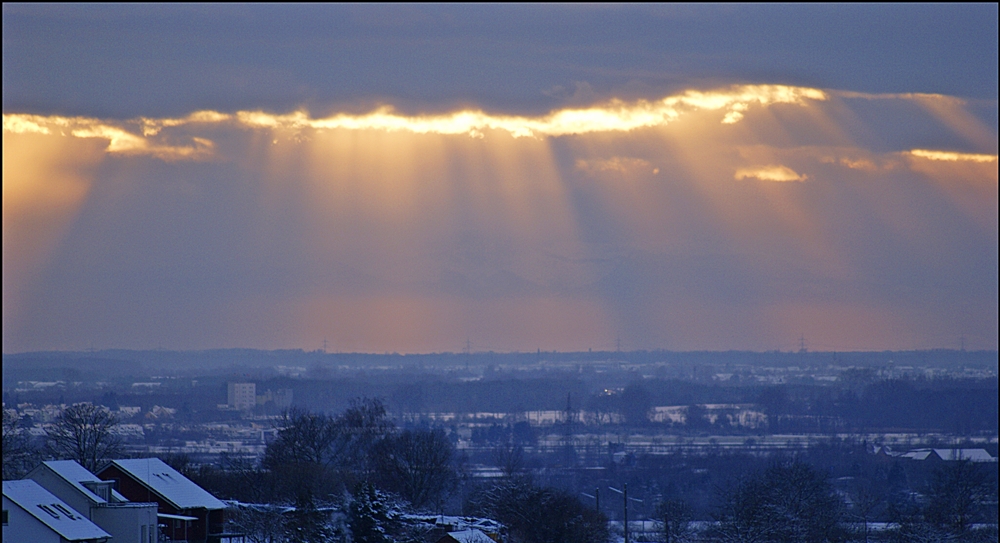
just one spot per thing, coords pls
(426, 178)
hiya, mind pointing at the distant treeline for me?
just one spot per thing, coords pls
(955, 406)
(121, 363)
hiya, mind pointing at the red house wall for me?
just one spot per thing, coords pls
(135, 491)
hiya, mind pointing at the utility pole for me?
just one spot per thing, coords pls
(597, 495)
(625, 495)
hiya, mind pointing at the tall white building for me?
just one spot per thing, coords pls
(242, 396)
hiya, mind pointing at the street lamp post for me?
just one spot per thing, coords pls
(624, 493)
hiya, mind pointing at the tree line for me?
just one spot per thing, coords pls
(356, 477)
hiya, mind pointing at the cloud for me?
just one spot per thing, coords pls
(950, 156)
(853, 163)
(392, 231)
(613, 116)
(120, 140)
(769, 173)
(618, 164)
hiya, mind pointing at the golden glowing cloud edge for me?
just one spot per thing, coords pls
(120, 140)
(775, 173)
(612, 116)
(949, 156)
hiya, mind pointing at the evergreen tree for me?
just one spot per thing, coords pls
(369, 519)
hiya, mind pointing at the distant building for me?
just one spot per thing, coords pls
(242, 396)
(938, 455)
(470, 535)
(188, 511)
(282, 399)
(126, 521)
(973, 455)
(32, 514)
(446, 529)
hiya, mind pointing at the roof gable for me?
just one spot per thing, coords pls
(73, 473)
(471, 535)
(917, 454)
(975, 455)
(168, 483)
(51, 511)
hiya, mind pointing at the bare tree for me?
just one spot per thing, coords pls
(260, 523)
(358, 429)
(17, 448)
(674, 518)
(786, 503)
(867, 501)
(534, 514)
(85, 433)
(957, 496)
(300, 459)
(317, 455)
(509, 457)
(417, 465)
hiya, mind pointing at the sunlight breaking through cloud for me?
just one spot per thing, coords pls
(613, 116)
(405, 231)
(120, 140)
(950, 156)
(769, 173)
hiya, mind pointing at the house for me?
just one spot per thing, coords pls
(470, 535)
(919, 454)
(126, 521)
(448, 529)
(187, 511)
(938, 455)
(973, 455)
(32, 514)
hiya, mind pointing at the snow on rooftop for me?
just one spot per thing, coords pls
(169, 483)
(73, 473)
(918, 454)
(51, 511)
(975, 455)
(471, 535)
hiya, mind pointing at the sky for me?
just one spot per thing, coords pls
(419, 178)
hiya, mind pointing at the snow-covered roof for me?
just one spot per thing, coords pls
(457, 524)
(471, 535)
(975, 455)
(917, 454)
(51, 511)
(73, 473)
(168, 483)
